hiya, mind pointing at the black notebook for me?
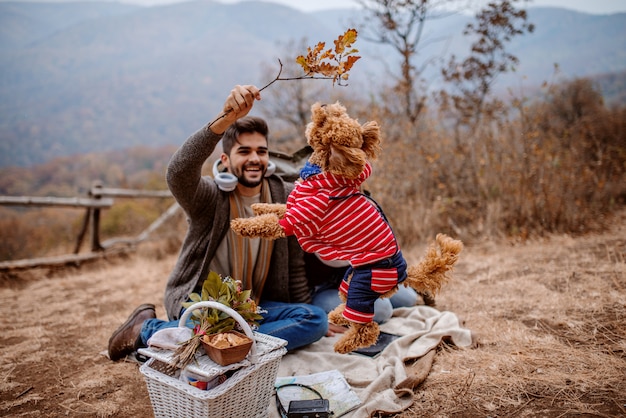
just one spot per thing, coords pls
(383, 341)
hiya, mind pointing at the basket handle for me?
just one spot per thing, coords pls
(231, 312)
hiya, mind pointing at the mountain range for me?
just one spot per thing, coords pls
(86, 77)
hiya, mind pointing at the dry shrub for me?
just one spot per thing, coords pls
(570, 162)
(558, 166)
(409, 181)
(129, 217)
(37, 232)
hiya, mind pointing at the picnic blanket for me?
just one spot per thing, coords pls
(387, 382)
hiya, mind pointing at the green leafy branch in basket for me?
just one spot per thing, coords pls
(207, 321)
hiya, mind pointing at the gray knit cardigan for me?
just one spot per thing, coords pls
(208, 215)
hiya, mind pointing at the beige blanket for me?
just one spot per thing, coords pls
(385, 383)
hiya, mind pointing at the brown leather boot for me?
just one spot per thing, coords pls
(126, 338)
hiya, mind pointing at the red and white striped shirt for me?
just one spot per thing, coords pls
(329, 216)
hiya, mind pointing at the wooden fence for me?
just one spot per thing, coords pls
(99, 198)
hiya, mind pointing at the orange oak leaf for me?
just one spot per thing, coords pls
(331, 63)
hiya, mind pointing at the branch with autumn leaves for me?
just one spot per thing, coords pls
(322, 64)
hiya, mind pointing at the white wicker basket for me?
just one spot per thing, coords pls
(246, 393)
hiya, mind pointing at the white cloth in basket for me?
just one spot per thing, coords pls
(170, 338)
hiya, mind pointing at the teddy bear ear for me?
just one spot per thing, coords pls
(318, 114)
(371, 139)
(336, 110)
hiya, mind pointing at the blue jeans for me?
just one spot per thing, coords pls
(327, 298)
(299, 324)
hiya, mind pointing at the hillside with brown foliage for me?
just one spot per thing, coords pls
(555, 165)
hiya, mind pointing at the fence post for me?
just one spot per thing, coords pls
(95, 222)
(83, 231)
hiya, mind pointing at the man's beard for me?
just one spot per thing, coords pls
(244, 182)
(248, 183)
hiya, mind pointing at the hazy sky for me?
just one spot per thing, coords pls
(588, 6)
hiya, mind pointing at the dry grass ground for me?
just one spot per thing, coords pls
(550, 315)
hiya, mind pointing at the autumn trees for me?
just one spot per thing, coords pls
(472, 78)
(401, 24)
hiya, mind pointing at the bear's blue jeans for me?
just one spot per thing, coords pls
(327, 298)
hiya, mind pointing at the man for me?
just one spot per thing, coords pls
(274, 270)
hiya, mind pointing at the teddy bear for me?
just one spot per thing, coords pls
(331, 217)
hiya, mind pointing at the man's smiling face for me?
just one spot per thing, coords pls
(248, 159)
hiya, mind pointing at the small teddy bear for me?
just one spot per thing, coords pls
(330, 216)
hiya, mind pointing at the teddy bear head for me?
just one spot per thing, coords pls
(341, 145)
